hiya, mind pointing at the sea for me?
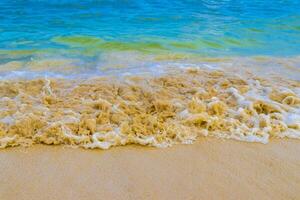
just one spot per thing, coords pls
(104, 73)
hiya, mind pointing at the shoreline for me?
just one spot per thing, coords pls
(160, 111)
(209, 169)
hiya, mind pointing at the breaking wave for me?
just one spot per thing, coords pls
(175, 107)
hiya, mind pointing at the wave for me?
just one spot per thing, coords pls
(155, 109)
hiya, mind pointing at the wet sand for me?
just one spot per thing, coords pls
(208, 169)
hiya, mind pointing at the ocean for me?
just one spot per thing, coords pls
(103, 73)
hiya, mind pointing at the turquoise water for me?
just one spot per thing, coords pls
(86, 30)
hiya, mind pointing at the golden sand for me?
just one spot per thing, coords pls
(176, 107)
(208, 169)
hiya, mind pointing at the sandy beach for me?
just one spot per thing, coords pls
(158, 100)
(208, 169)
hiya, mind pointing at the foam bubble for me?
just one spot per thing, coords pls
(177, 106)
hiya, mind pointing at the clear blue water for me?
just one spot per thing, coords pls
(88, 28)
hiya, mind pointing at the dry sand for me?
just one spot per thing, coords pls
(209, 169)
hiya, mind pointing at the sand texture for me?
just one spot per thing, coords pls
(209, 169)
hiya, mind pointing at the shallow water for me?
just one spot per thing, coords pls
(88, 29)
(98, 74)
